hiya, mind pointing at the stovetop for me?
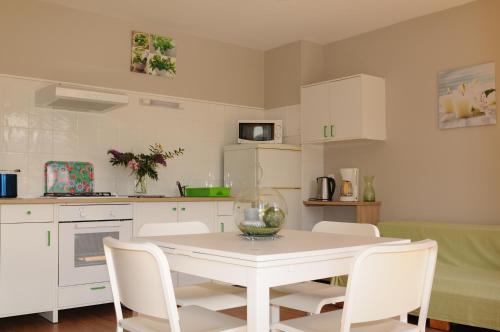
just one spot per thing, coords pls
(84, 194)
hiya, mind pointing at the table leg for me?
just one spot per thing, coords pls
(257, 304)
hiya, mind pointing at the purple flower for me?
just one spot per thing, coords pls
(159, 159)
(116, 154)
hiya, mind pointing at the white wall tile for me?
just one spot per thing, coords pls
(15, 139)
(30, 136)
(40, 141)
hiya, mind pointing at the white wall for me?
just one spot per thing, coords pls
(290, 115)
(30, 136)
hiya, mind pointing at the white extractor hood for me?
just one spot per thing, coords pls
(79, 99)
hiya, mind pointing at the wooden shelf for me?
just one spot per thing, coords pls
(339, 203)
(366, 212)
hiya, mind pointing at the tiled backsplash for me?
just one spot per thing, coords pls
(30, 136)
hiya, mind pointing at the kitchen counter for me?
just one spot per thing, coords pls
(122, 199)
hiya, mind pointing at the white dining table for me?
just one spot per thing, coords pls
(261, 264)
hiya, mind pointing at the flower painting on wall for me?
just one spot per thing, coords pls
(467, 97)
(153, 54)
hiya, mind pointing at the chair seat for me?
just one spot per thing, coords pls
(211, 295)
(308, 296)
(330, 322)
(191, 319)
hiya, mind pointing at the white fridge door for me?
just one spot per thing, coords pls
(294, 205)
(281, 168)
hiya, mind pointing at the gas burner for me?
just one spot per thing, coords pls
(87, 194)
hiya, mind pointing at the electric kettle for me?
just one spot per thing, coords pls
(326, 188)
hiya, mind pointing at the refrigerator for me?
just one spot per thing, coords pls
(276, 166)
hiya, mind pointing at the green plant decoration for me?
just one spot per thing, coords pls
(162, 63)
(140, 39)
(162, 44)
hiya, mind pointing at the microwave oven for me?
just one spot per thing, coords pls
(260, 131)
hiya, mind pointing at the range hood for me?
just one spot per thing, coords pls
(79, 99)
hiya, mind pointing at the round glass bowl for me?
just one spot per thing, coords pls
(260, 212)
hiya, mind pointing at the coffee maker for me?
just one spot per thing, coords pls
(349, 190)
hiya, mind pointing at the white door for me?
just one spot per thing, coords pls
(315, 115)
(28, 273)
(294, 204)
(198, 211)
(226, 224)
(345, 109)
(280, 168)
(153, 213)
(241, 165)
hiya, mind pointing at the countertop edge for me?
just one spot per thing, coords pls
(93, 200)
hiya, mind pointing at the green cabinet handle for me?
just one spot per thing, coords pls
(332, 130)
(48, 239)
(28, 212)
(324, 131)
(98, 288)
(174, 209)
(222, 227)
(183, 209)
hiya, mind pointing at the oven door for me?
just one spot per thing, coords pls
(81, 250)
(256, 132)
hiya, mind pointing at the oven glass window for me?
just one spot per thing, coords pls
(257, 131)
(89, 249)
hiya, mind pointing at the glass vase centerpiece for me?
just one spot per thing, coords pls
(260, 213)
(143, 165)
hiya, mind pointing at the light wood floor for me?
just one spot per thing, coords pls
(102, 318)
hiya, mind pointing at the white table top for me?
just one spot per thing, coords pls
(293, 244)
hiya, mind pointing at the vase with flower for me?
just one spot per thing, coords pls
(143, 165)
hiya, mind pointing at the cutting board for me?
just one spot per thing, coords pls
(69, 177)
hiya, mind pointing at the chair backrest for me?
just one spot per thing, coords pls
(389, 281)
(140, 279)
(348, 228)
(173, 228)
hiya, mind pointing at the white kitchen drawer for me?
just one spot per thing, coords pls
(26, 213)
(82, 295)
(225, 208)
(95, 212)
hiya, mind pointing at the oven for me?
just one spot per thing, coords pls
(81, 231)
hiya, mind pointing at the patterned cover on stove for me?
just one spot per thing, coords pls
(69, 177)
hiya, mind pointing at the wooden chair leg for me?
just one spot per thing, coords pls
(439, 324)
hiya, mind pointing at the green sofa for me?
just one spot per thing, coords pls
(466, 287)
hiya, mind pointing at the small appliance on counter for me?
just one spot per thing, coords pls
(260, 131)
(71, 179)
(326, 188)
(349, 190)
(8, 183)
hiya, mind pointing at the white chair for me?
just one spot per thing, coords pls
(385, 284)
(312, 296)
(210, 295)
(141, 281)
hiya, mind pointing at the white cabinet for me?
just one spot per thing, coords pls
(154, 213)
(212, 214)
(198, 211)
(28, 262)
(344, 109)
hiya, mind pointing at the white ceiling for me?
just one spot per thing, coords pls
(264, 24)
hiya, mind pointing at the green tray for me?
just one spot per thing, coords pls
(208, 192)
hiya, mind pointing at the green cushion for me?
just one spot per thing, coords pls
(466, 286)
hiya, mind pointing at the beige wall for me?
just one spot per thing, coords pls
(52, 42)
(288, 67)
(421, 172)
(282, 76)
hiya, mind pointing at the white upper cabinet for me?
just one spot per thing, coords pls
(344, 109)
